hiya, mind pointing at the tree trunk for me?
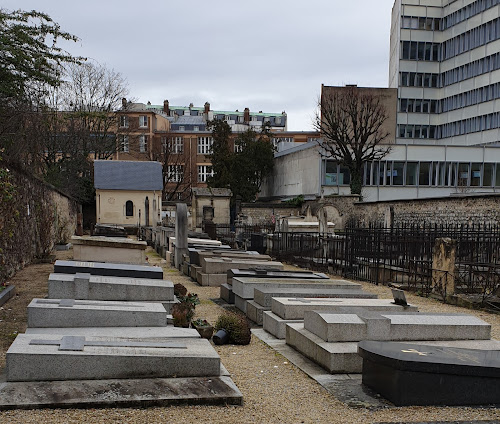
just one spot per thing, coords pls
(356, 181)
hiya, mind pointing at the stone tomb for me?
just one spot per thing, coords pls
(214, 270)
(92, 313)
(94, 287)
(49, 357)
(369, 325)
(331, 339)
(291, 310)
(263, 298)
(415, 374)
(244, 287)
(109, 269)
(46, 370)
(109, 249)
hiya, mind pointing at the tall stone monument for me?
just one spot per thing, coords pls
(181, 234)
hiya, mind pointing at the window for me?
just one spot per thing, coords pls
(124, 145)
(175, 174)
(182, 128)
(424, 172)
(143, 143)
(487, 174)
(398, 173)
(129, 208)
(331, 173)
(411, 173)
(240, 118)
(475, 174)
(277, 120)
(344, 175)
(196, 128)
(204, 171)
(176, 145)
(238, 148)
(463, 174)
(123, 121)
(143, 121)
(204, 145)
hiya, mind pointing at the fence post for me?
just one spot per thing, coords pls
(443, 266)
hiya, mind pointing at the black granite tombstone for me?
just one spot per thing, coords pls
(413, 374)
(109, 269)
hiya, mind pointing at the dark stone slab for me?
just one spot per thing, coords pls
(109, 269)
(413, 374)
(266, 273)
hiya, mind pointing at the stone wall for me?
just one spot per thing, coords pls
(460, 209)
(261, 213)
(33, 218)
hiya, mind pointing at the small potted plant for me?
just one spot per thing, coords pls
(204, 328)
(183, 312)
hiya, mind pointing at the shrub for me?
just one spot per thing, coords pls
(180, 290)
(182, 313)
(236, 326)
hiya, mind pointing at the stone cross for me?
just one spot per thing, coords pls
(77, 343)
(304, 300)
(69, 303)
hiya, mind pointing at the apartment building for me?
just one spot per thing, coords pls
(178, 137)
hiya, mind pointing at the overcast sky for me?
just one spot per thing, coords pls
(265, 55)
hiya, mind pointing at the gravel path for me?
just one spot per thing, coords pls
(274, 390)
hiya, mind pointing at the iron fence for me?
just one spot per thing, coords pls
(400, 255)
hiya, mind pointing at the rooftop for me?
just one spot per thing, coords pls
(128, 175)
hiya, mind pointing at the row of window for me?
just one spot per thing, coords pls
(175, 173)
(451, 129)
(124, 144)
(420, 50)
(440, 24)
(424, 174)
(458, 74)
(468, 98)
(428, 51)
(125, 121)
(471, 39)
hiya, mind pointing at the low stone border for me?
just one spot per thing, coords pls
(6, 294)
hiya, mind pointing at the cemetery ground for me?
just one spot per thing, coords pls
(273, 389)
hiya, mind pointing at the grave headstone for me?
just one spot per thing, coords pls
(181, 232)
(109, 269)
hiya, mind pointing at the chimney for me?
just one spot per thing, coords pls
(246, 115)
(124, 103)
(166, 109)
(207, 108)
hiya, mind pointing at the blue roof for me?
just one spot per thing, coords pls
(128, 175)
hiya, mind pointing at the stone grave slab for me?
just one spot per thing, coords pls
(109, 269)
(415, 374)
(226, 293)
(342, 357)
(275, 325)
(222, 265)
(266, 273)
(109, 249)
(197, 255)
(144, 392)
(263, 296)
(371, 325)
(49, 357)
(213, 280)
(146, 333)
(294, 308)
(94, 313)
(95, 287)
(244, 287)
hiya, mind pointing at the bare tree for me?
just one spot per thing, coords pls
(351, 123)
(175, 166)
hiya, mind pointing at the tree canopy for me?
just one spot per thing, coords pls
(351, 123)
(29, 54)
(241, 169)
